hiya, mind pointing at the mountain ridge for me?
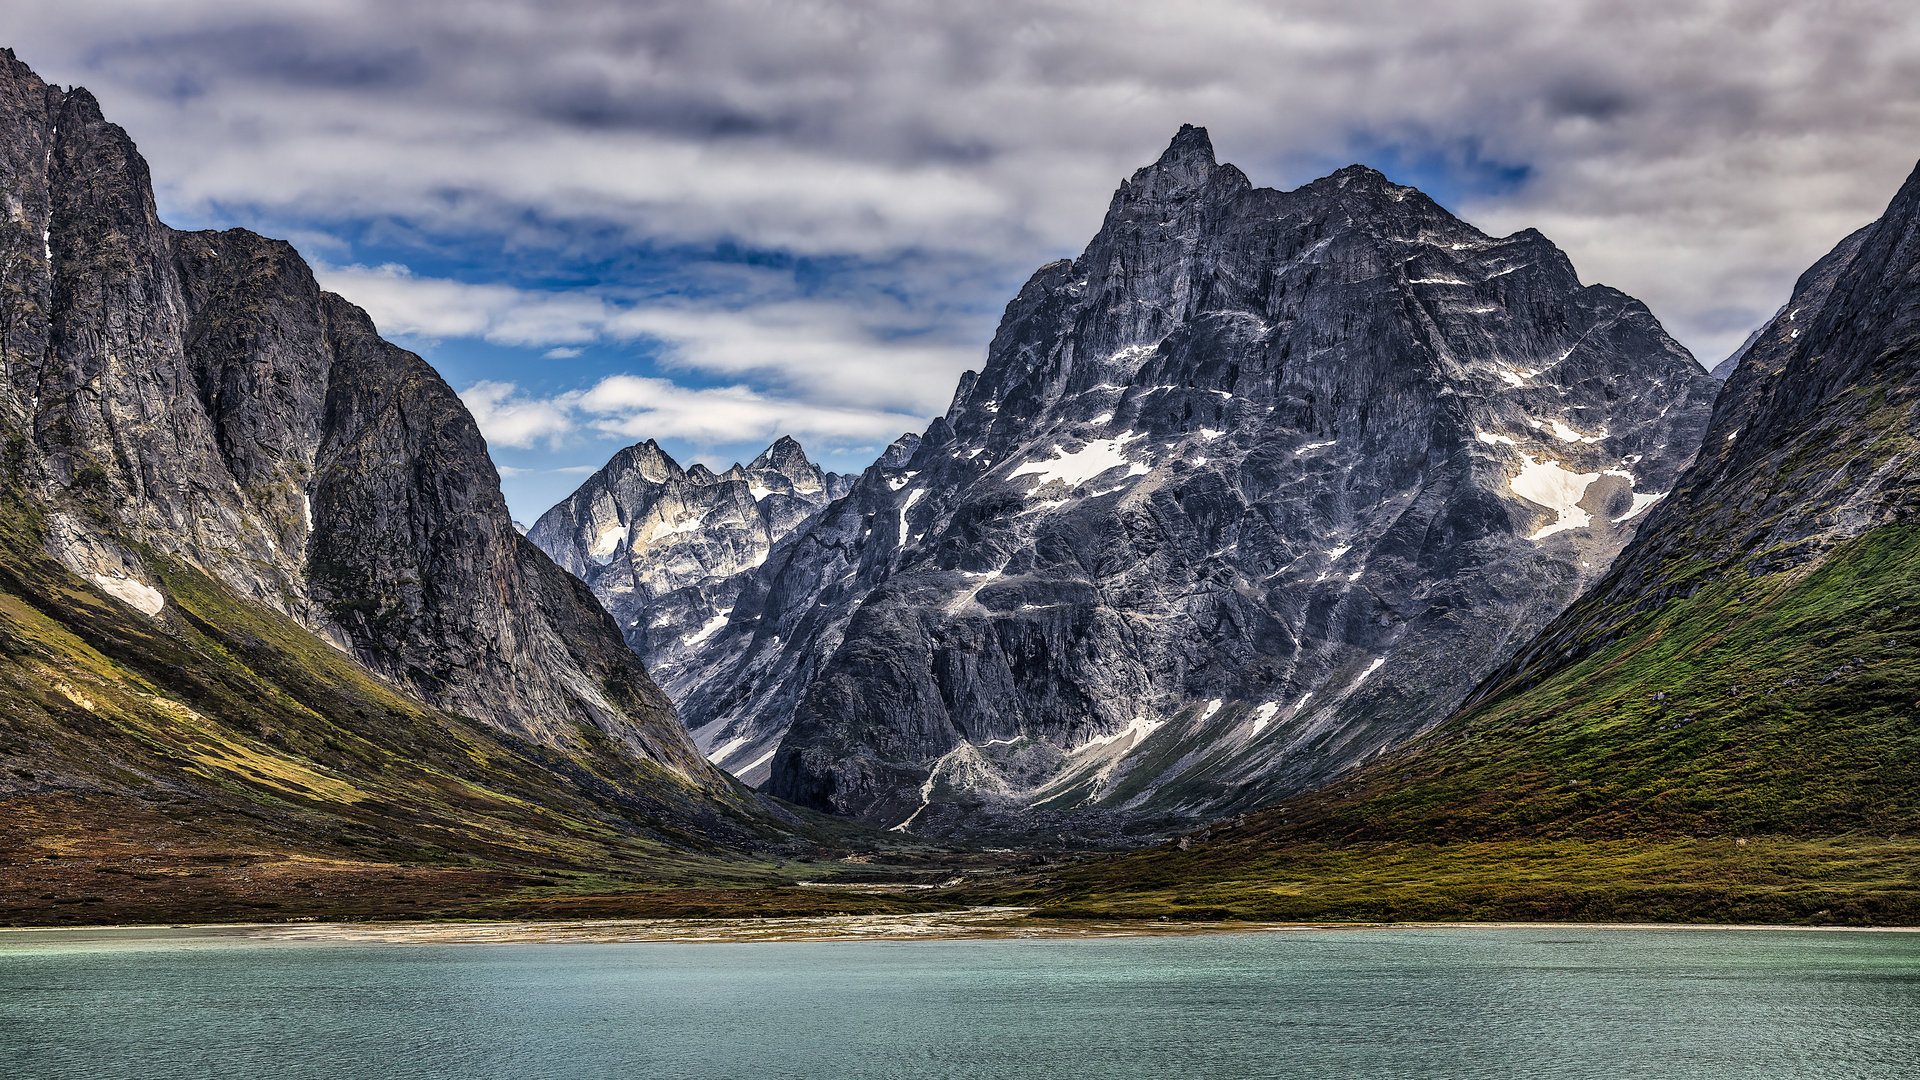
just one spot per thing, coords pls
(1168, 431)
(1720, 730)
(194, 439)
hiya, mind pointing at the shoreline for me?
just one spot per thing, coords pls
(980, 923)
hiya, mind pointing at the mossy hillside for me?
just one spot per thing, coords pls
(1249, 874)
(222, 726)
(1781, 703)
(1777, 709)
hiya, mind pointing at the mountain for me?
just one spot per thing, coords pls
(667, 550)
(210, 468)
(1261, 484)
(1721, 729)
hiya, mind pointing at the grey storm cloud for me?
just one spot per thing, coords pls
(1697, 155)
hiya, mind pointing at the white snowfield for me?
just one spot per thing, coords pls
(1091, 460)
(1640, 502)
(664, 529)
(1546, 483)
(912, 497)
(720, 752)
(1137, 732)
(1264, 715)
(607, 540)
(1553, 487)
(707, 629)
(142, 598)
(1566, 434)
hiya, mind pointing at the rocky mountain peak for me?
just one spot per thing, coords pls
(786, 458)
(1185, 172)
(666, 551)
(899, 452)
(1188, 159)
(1258, 485)
(647, 461)
(194, 403)
(1811, 463)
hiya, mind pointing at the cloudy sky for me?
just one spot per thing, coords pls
(714, 222)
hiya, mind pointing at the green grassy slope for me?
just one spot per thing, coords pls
(1748, 752)
(1726, 727)
(224, 762)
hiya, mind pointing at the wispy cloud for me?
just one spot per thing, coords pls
(846, 368)
(1696, 153)
(635, 407)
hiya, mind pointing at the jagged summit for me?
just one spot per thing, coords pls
(195, 437)
(1259, 484)
(663, 547)
(1747, 668)
(1185, 171)
(1187, 160)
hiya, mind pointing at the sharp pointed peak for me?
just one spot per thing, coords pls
(784, 448)
(653, 463)
(1190, 144)
(1187, 167)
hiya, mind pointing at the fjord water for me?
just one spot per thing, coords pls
(1392, 1004)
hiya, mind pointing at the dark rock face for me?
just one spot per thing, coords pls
(1261, 484)
(1812, 443)
(667, 550)
(197, 395)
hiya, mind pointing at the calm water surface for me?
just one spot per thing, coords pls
(1381, 1005)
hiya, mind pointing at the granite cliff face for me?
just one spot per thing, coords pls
(1262, 483)
(1735, 697)
(195, 398)
(1811, 447)
(667, 550)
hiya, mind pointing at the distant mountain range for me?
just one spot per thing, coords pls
(1259, 486)
(668, 551)
(1321, 498)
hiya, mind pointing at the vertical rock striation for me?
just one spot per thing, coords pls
(667, 550)
(1260, 484)
(1812, 445)
(197, 396)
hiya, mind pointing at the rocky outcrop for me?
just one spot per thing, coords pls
(1811, 445)
(196, 395)
(668, 550)
(1262, 483)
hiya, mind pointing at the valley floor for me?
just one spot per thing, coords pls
(71, 861)
(1846, 880)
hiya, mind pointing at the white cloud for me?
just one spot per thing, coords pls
(408, 306)
(561, 352)
(839, 360)
(1695, 153)
(635, 407)
(507, 419)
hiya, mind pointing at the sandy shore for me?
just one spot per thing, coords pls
(976, 923)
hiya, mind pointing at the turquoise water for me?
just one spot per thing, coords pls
(1396, 1005)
